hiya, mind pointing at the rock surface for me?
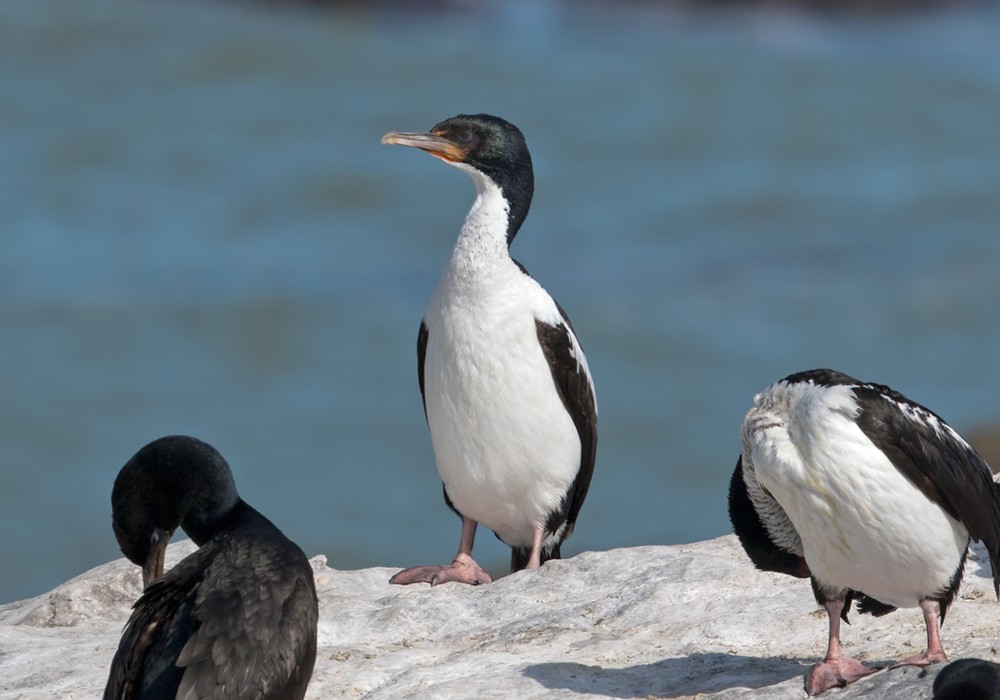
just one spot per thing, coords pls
(684, 621)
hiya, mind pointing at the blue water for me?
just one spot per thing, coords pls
(200, 233)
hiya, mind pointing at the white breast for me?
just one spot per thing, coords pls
(863, 525)
(506, 449)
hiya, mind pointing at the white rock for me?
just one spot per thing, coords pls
(648, 622)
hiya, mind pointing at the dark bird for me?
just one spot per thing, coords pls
(507, 393)
(235, 619)
(871, 495)
(968, 679)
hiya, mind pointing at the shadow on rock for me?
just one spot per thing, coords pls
(689, 675)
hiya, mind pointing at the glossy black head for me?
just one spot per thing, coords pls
(488, 144)
(174, 481)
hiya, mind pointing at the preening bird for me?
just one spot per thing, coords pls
(869, 494)
(236, 618)
(507, 392)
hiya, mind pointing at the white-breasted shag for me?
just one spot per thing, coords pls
(236, 618)
(507, 392)
(871, 495)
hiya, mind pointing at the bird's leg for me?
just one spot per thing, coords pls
(935, 652)
(835, 670)
(535, 560)
(463, 570)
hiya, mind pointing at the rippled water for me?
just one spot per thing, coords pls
(202, 234)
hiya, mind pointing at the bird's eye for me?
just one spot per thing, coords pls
(465, 136)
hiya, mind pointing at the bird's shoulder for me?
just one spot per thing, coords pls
(256, 613)
(933, 456)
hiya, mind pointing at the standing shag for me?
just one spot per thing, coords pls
(871, 495)
(507, 393)
(235, 619)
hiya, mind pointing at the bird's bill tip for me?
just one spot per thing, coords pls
(437, 146)
(152, 568)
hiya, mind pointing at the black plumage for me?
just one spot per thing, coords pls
(235, 619)
(968, 679)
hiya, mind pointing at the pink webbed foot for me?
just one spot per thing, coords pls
(923, 660)
(935, 652)
(836, 673)
(463, 570)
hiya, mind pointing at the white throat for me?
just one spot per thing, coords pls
(482, 243)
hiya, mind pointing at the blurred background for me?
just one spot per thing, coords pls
(200, 233)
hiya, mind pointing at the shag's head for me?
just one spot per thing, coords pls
(482, 145)
(176, 480)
